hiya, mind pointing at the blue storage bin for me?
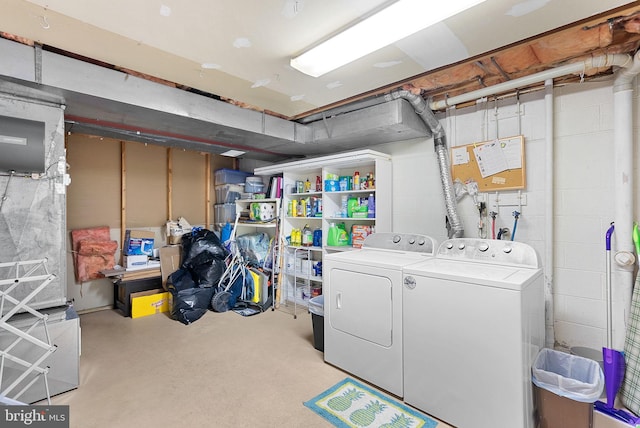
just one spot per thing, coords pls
(230, 176)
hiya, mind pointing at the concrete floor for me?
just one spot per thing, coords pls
(224, 370)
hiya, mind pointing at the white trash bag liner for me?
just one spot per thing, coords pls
(566, 375)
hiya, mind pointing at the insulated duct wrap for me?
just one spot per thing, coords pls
(455, 229)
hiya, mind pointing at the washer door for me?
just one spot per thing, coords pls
(361, 305)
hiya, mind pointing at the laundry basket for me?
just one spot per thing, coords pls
(566, 386)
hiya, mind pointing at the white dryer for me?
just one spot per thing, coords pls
(473, 324)
(363, 306)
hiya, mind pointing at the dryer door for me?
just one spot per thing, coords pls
(361, 305)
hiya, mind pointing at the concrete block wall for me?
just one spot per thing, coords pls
(582, 195)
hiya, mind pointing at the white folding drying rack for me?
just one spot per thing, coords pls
(35, 275)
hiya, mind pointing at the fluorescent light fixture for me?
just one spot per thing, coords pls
(399, 20)
(232, 153)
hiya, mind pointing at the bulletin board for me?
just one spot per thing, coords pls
(495, 165)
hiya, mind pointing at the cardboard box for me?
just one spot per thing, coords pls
(170, 259)
(600, 420)
(138, 242)
(359, 234)
(555, 411)
(123, 289)
(149, 302)
(133, 262)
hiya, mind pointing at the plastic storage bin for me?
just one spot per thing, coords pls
(566, 386)
(316, 307)
(230, 176)
(254, 185)
(225, 213)
(228, 193)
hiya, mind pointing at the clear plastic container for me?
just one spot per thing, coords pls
(228, 193)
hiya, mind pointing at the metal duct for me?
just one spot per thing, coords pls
(455, 228)
(109, 103)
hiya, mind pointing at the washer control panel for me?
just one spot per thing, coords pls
(490, 251)
(401, 242)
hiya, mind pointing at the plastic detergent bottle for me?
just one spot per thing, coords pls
(307, 236)
(295, 237)
(343, 206)
(371, 212)
(343, 236)
(332, 235)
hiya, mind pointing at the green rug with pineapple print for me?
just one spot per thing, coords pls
(352, 404)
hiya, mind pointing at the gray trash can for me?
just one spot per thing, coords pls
(566, 386)
(316, 307)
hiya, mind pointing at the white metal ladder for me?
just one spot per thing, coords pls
(32, 273)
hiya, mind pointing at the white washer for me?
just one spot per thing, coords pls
(363, 306)
(473, 324)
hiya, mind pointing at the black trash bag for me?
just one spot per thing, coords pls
(181, 280)
(189, 302)
(189, 305)
(206, 269)
(201, 241)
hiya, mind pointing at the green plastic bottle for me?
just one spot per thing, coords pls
(343, 236)
(352, 204)
(332, 235)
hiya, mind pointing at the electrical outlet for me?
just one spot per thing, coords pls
(62, 165)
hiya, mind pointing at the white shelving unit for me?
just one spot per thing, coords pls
(300, 281)
(244, 206)
(298, 286)
(271, 228)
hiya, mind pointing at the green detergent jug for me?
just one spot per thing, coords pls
(337, 236)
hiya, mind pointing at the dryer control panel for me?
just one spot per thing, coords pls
(401, 242)
(490, 251)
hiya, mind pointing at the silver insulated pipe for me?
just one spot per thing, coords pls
(455, 228)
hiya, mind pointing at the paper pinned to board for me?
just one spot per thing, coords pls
(512, 150)
(490, 158)
(460, 155)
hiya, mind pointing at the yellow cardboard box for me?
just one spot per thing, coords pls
(149, 302)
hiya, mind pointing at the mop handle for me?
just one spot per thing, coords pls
(608, 279)
(608, 237)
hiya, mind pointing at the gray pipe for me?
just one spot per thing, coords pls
(456, 229)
